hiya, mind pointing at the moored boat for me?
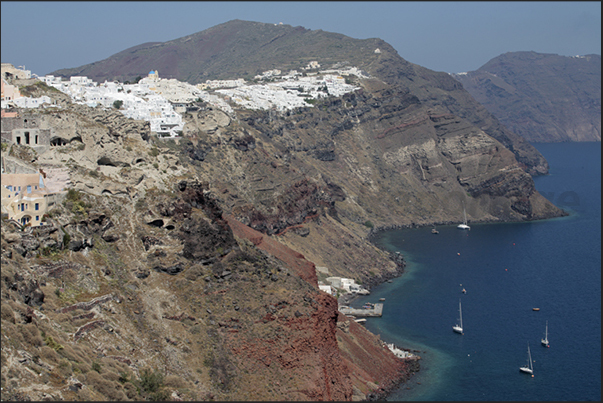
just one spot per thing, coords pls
(458, 328)
(528, 368)
(464, 224)
(545, 341)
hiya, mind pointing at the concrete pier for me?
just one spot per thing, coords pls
(377, 310)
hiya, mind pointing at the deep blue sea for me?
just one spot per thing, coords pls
(507, 269)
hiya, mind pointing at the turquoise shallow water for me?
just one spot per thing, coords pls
(507, 269)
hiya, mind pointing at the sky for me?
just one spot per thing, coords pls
(446, 36)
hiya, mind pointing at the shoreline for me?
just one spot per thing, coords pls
(374, 231)
(412, 365)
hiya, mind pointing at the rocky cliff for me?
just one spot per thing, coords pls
(166, 299)
(187, 268)
(542, 97)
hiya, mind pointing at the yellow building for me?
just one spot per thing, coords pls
(9, 92)
(25, 198)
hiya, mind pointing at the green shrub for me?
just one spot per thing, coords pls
(52, 344)
(151, 381)
(368, 224)
(66, 239)
(73, 195)
(118, 104)
(96, 367)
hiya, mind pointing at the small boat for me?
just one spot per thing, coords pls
(464, 224)
(434, 230)
(459, 326)
(535, 309)
(545, 341)
(464, 291)
(528, 369)
(382, 299)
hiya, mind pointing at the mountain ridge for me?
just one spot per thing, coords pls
(541, 96)
(254, 47)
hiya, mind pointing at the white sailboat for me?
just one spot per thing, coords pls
(464, 224)
(528, 369)
(459, 326)
(545, 341)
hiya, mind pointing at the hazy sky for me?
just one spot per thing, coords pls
(443, 36)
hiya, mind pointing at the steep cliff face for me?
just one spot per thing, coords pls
(376, 155)
(542, 97)
(442, 92)
(181, 293)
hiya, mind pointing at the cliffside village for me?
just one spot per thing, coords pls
(28, 195)
(161, 102)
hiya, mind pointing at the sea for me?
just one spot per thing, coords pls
(506, 269)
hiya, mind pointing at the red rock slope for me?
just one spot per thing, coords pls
(338, 358)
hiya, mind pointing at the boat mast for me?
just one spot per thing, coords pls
(464, 215)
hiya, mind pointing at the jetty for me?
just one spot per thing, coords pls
(375, 310)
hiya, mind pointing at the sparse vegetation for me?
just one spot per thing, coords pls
(66, 239)
(152, 386)
(73, 202)
(52, 344)
(118, 104)
(96, 367)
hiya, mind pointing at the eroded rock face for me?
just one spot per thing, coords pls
(27, 286)
(301, 201)
(202, 239)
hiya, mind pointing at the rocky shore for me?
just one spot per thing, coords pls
(413, 364)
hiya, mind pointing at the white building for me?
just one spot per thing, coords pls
(328, 289)
(27, 102)
(347, 284)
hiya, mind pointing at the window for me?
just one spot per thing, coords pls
(37, 206)
(28, 188)
(9, 187)
(37, 217)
